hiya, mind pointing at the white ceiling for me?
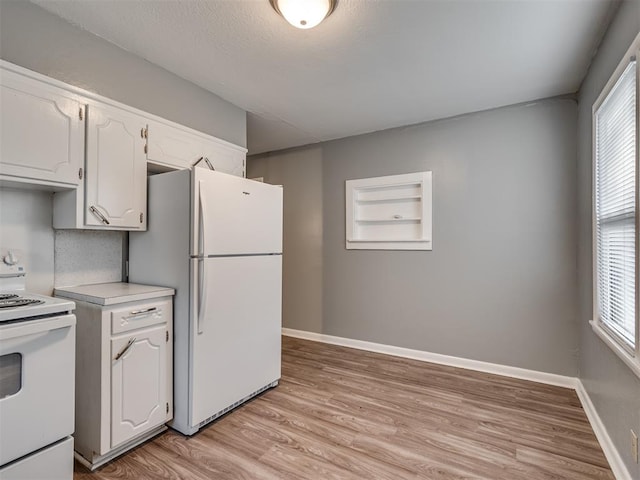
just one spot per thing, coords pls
(372, 65)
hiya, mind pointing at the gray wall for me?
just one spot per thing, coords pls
(500, 283)
(300, 171)
(613, 388)
(38, 40)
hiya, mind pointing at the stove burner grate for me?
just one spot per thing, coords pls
(16, 301)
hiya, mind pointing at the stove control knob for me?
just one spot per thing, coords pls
(10, 258)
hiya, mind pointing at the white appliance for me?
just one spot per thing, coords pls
(37, 379)
(217, 240)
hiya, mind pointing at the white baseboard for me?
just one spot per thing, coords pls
(613, 456)
(515, 372)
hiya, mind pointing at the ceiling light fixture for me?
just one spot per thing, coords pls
(304, 13)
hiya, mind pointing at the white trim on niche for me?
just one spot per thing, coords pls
(611, 453)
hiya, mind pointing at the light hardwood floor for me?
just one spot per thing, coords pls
(340, 413)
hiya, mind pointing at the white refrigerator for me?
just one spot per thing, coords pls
(217, 240)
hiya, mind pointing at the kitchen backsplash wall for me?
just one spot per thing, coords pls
(87, 257)
(55, 258)
(25, 225)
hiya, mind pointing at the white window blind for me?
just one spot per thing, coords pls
(615, 150)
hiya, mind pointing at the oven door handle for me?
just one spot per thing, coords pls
(24, 329)
(125, 349)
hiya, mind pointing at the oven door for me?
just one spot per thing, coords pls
(37, 380)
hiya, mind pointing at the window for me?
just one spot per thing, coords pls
(615, 130)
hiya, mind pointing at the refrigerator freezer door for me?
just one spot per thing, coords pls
(237, 322)
(234, 216)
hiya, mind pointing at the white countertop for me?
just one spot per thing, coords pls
(113, 293)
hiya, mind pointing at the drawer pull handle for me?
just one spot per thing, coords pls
(125, 349)
(135, 313)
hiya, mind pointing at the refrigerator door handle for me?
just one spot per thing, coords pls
(202, 288)
(203, 217)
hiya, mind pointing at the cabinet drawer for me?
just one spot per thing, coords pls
(139, 315)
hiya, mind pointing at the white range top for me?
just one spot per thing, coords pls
(49, 306)
(17, 304)
(113, 293)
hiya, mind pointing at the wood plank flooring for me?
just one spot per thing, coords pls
(340, 413)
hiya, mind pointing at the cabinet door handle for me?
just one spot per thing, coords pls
(207, 161)
(100, 216)
(135, 313)
(125, 349)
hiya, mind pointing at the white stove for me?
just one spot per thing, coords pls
(18, 305)
(15, 303)
(37, 370)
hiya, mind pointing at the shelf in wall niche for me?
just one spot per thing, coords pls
(391, 199)
(384, 240)
(391, 212)
(383, 220)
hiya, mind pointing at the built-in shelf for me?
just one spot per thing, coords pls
(392, 212)
(390, 199)
(382, 220)
(386, 240)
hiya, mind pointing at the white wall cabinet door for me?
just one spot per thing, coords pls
(172, 147)
(116, 187)
(178, 148)
(138, 383)
(41, 132)
(225, 159)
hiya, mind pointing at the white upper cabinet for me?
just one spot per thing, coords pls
(41, 133)
(93, 152)
(225, 158)
(171, 147)
(116, 187)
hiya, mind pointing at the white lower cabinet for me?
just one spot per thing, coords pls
(124, 373)
(138, 383)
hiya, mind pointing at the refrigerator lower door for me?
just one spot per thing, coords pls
(236, 330)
